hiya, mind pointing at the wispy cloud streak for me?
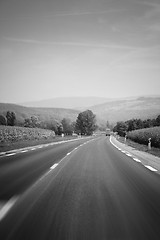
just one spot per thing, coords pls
(85, 13)
(76, 44)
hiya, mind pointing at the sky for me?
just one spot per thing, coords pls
(65, 48)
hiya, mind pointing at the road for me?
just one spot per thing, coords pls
(95, 192)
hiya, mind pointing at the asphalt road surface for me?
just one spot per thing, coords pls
(82, 190)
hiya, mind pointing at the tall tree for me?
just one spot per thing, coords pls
(85, 123)
(67, 126)
(121, 128)
(11, 118)
(3, 120)
(158, 120)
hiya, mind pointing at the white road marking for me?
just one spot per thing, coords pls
(2, 153)
(39, 146)
(4, 210)
(128, 154)
(23, 151)
(55, 165)
(136, 159)
(11, 154)
(123, 151)
(151, 168)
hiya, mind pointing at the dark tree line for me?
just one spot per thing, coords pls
(85, 123)
(133, 124)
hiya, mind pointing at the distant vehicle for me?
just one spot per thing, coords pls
(108, 132)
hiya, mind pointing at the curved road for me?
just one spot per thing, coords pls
(95, 192)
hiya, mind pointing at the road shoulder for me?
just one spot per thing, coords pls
(148, 160)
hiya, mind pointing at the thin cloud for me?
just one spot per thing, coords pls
(76, 44)
(85, 13)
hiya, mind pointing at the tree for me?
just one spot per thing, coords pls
(3, 120)
(11, 118)
(67, 126)
(158, 120)
(32, 122)
(85, 123)
(121, 128)
(35, 121)
(59, 129)
(27, 122)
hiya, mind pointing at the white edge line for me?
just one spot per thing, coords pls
(2, 153)
(136, 159)
(151, 168)
(23, 151)
(31, 148)
(4, 210)
(10, 154)
(128, 154)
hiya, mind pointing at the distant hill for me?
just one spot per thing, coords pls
(111, 110)
(44, 114)
(67, 102)
(121, 110)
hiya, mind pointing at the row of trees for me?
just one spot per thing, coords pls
(84, 125)
(133, 124)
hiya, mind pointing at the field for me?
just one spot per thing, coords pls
(141, 136)
(13, 134)
(20, 137)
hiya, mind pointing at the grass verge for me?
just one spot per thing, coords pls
(28, 143)
(141, 147)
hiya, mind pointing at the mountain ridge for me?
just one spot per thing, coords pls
(112, 110)
(67, 102)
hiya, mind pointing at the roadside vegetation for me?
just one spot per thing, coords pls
(141, 136)
(140, 147)
(13, 134)
(35, 131)
(138, 133)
